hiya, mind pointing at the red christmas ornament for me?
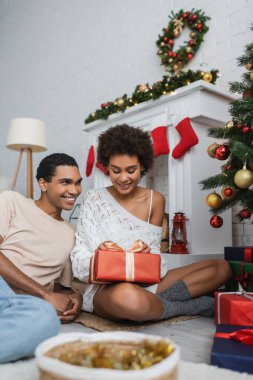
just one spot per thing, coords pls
(184, 15)
(245, 213)
(171, 42)
(174, 55)
(246, 129)
(170, 53)
(194, 17)
(103, 105)
(189, 56)
(228, 191)
(191, 42)
(165, 39)
(199, 26)
(216, 221)
(222, 152)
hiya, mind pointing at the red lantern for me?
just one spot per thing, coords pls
(178, 236)
(222, 152)
(216, 221)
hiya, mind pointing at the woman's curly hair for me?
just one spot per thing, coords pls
(124, 139)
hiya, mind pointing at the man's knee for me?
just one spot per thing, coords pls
(48, 323)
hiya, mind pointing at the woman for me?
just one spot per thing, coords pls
(126, 212)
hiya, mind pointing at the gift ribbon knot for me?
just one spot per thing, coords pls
(244, 336)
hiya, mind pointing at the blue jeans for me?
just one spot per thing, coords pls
(25, 321)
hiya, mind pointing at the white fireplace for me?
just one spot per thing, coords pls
(207, 106)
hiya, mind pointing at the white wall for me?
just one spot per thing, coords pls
(60, 59)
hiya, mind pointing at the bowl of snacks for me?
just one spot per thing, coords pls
(115, 355)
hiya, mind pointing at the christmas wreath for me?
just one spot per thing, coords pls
(196, 22)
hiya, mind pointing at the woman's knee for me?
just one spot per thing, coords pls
(131, 298)
(223, 269)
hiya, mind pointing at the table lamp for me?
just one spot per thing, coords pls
(26, 134)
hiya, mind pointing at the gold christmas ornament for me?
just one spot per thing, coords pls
(213, 200)
(93, 114)
(230, 124)
(175, 67)
(120, 102)
(243, 178)
(143, 88)
(162, 43)
(211, 149)
(170, 60)
(249, 66)
(189, 49)
(251, 75)
(207, 77)
(193, 34)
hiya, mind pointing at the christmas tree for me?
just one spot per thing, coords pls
(234, 143)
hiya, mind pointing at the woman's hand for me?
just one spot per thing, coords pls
(109, 246)
(140, 246)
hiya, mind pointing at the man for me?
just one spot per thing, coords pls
(35, 243)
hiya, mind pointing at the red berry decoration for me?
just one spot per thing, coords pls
(227, 167)
(184, 15)
(199, 26)
(246, 129)
(189, 56)
(216, 221)
(246, 94)
(245, 213)
(222, 152)
(194, 17)
(171, 42)
(165, 39)
(103, 105)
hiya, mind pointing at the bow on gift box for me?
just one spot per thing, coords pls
(244, 336)
(137, 247)
(244, 277)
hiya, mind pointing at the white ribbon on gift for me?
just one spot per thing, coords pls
(129, 266)
(241, 292)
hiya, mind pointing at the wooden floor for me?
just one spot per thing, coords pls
(194, 337)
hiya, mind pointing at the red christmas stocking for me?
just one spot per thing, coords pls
(90, 161)
(188, 138)
(102, 168)
(160, 141)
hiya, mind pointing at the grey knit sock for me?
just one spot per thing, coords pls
(201, 305)
(177, 292)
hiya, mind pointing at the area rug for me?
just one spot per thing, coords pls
(27, 370)
(101, 324)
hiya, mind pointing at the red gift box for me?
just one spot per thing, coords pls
(234, 308)
(107, 267)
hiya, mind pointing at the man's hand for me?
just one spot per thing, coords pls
(70, 314)
(60, 301)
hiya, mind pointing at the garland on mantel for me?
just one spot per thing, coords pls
(145, 92)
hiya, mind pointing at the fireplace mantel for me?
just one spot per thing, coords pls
(207, 106)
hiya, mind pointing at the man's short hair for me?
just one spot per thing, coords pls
(48, 165)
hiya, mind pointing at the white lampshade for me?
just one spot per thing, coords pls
(27, 133)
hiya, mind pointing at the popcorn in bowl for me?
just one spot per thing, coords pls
(110, 355)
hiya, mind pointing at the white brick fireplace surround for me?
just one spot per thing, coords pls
(206, 105)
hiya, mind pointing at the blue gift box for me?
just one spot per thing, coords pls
(239, 254)
(231, 354)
